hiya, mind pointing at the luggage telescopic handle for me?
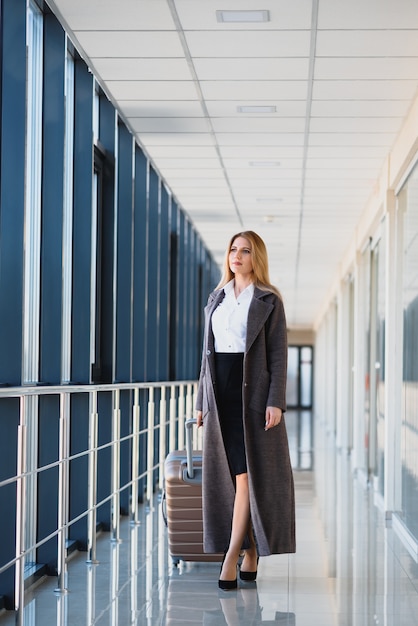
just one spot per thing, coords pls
(189, 446)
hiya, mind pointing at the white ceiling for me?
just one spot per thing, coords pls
(341, 74)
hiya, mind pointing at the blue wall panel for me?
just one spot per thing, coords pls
(51, 281)
(107, 234)
(78, 468)
(83, 174)
(104, 457)
(181, 295)
(139, 266)
(82, 224)
(48, 425)
(124, 257)
(153, 277)
(9, 419)
(52, 194)
(164, 305)
(173, 322)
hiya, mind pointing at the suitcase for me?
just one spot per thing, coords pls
(182, 503)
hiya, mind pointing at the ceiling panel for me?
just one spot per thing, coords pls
(161, 108)
(251, 69)
(366, 43)
(264, 90)
(131, 43)
(260, 139)
(360, 108)
(355, 124)
(138, 90)
(389, 68)
(388, 14)
(248, 44)
(169, 125)
(96, 15)
(357, 139)
(176, 139)
(256, 124)
(142, 69)
(341, 82)
(370, 89)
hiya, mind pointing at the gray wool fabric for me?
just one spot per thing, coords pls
(270, 477)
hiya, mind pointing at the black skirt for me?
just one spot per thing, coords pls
(229, 378)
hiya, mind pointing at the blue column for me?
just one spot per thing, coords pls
(83, 175)
(124, 257)
(153, 277)
(139, 266)
(82, 225)
(51, 281)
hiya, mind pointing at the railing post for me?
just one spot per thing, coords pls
(172, 429)
(92, 480)
(19, 599)
(163, 437)
(135, 458)
(150, 446)
(115, 513)
(63, 494)
(180, 431)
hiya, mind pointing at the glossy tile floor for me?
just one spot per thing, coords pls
(350, 569)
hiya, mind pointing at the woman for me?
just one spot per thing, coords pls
(248, 493)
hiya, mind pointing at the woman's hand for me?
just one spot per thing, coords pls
(199, 419)
(273, 417)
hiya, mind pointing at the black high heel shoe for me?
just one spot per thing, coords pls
(248, 577)
(227, 585)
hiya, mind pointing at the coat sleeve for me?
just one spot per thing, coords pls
(199, 395)
(276, 340)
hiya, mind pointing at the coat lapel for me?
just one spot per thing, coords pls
(257, 316)
(215, 298)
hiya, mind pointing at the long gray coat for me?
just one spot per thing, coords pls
(270, 475)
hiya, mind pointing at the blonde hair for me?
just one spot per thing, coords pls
(259, 260)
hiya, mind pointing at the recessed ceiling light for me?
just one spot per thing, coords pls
(243, 16)
(265, 163)
(255, 108)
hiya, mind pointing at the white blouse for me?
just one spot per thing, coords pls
(229, 319)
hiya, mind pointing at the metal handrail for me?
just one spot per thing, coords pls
(172, 412)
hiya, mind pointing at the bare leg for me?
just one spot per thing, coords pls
(249, 563)
(240, 527)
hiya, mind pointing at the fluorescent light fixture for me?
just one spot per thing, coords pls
(265, 163)
(254, 108)
(243, 16)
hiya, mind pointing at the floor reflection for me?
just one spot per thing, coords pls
(193, 597)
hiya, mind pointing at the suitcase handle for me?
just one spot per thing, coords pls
(189, 446)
